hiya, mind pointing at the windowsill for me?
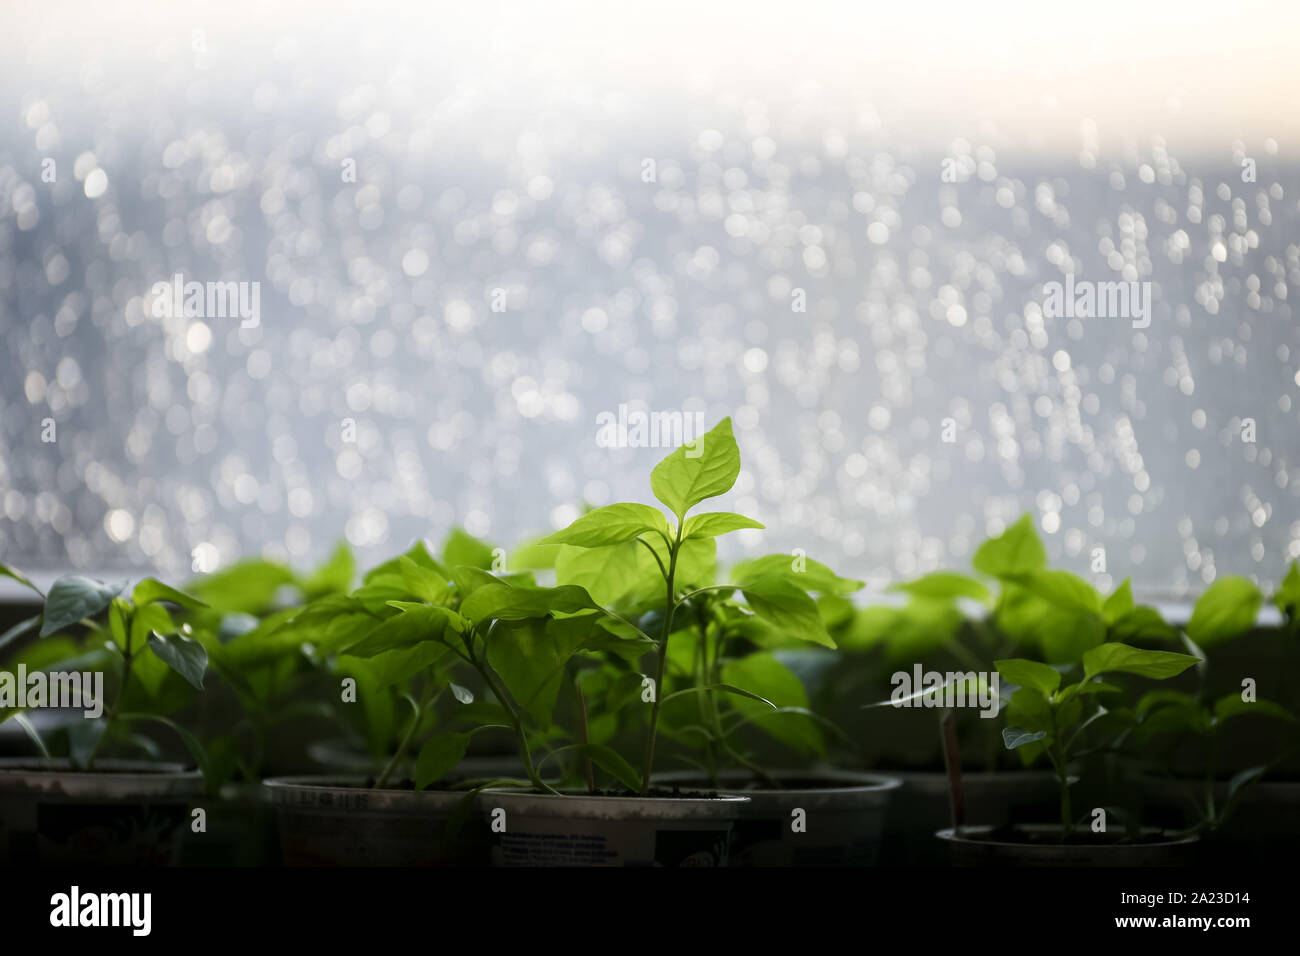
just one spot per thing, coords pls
(1174, 610)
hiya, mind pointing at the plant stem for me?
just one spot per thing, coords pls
(115, 706)
(396, 759)
(1061, 761)
(1210, 767)
(648, 765)
(1067, 815)
(707, 713)
(588, 772)
(516, 722)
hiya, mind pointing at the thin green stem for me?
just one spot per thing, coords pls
(516, 721)
(115, 706)
(416, 718)
(648, 766)
(655, 554)
(705, 702)
(712, 587)
(1060, 760)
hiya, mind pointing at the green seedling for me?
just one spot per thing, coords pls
(1064, 723)
(1225, 611)
(627, 552)
(242, 629)
(85, 624)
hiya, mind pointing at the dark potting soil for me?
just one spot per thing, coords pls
(798, 783)
(659, 792)
(654, 792)
(1084, 837)
(790, 783)
(404, 784)
(38, 767)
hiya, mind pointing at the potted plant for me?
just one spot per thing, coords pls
(263, 700)
(951, 624)
(768, 743)
(522, 641)
(94, 806)
(400, 685)
(712, 667)
(1065, 725)
(1214, 758)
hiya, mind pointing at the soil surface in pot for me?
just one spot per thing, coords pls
(407, 784)
(798, 783)
(141, 771)
(1085, 837)
(659, 793)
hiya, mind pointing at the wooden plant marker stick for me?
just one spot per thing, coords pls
(952, 760)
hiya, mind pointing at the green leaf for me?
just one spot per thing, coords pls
(334, 576)
(191, 742)
(697, 561)
(605, 635)
(32, 733)
(249, 587)
(533, 555)
(728, 689)
(1141, 625)
(1084, 688)
(1029, 710)
(1062, 633)
(1015, 552)
(506, 603)
(777, 688)
(714, 523)
(1013, 737)
(418, 552)
(425, 583)
(1239, 782)
(1172, 718)
(787, 608)
(119, 612)
(704, 468)
(1164, 698)
(611, 762)
(612, 524)
(439, 757)
(607, 574)
(151, 589)
(328, 624)
(149, 671)
(462, 548)
(417, 624)
(1112, 657)
(144, 619)
(469, 579)
(8, 572)
(74, 597)
(1233, 706)
(376, 592)
(1120, 603)
(803, 571)
(186, 657)
(1229, 607)
(402, 663)
(377, 716)
(19, 629)
(1023, 673)
(463, 695)
(944, 586)
(1287, 597)
(1061, 589)
(530, 656)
